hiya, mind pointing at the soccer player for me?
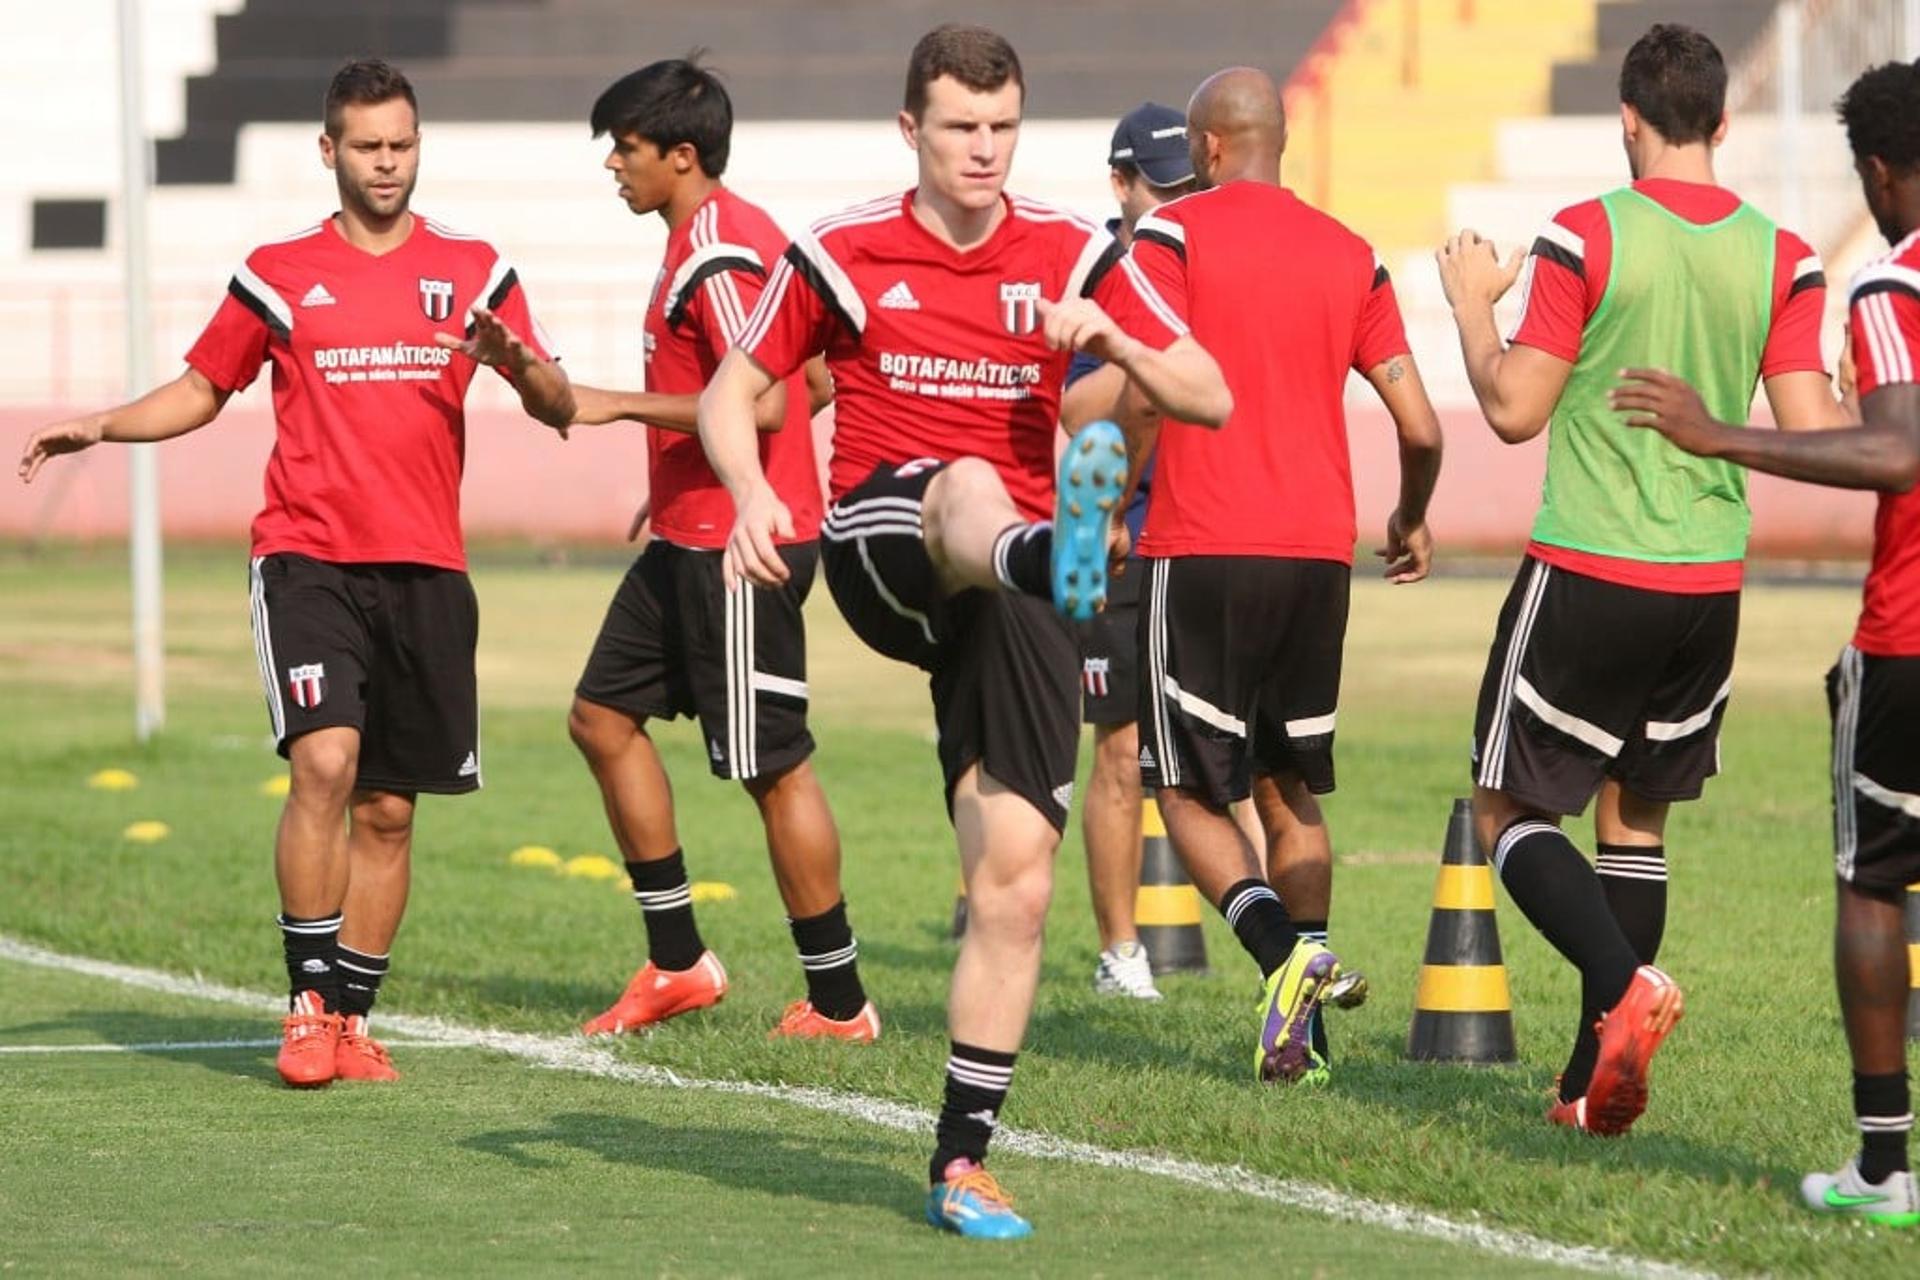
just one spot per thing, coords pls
(1249, 543)
(1611, 666)
(1874, 689)
(676, 640)
(373, 321)
(945, 313)
(1148, 164)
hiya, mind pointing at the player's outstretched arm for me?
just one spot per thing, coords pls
(1517, 387)
(733, 449)
(594, 407)
(1409, 550)
(1182, 381)
(545, 393)
(1882, 453)
(172, 409)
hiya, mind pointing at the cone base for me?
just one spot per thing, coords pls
(1472, 1038)
(1174, 948)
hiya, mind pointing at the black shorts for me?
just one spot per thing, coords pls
(1242, 671)
(383, 648)
(1110, 653)
(1875, 703)
(676, 642)
(1589, 680)
(1002, 663)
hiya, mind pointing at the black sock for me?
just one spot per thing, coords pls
(360, 976)
(666, 903)
(1560, 894)
(1023, 558)
(1883, 1109)
(977, 1083)
(830, 957)
(1316, 931)
(309, 946)
(1260, 922)
(1634, 878)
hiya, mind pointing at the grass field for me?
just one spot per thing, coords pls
(482, 1157)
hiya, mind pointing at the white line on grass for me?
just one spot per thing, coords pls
(194, 1046)
(576, 1055)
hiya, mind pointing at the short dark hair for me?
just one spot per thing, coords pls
(670, 102)
(980, 59)
(1882, 113)
(1676, 79)
(365, 82)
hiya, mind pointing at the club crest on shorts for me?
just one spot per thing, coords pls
(308, 684)
(1093, 676)
(1020, 305)
(436, 298)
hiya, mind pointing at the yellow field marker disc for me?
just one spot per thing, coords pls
(592, 866)
(278, 785)
(147, 832)
(534, 855)
(113, 780)
(713, 891)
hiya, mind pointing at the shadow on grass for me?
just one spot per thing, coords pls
(153, 1031)
(822, 1169)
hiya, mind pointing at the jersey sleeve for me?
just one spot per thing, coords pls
(1884, 322)
(1799, 304)
(1114, 279)
(1561, 280)
(1380, 334)
(506, 297)
(807, 298)
(233, 346)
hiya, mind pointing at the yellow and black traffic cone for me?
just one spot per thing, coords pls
(960, 910)
(1166, 907)
(1913, 961)
(1462, 1011)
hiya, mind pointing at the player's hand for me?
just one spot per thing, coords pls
(1078, 324)
(1409, 550)
(493, 343)
(1656, 399)
(752, 553)
(70, 436)
(1471, 273)
(639, 521)
(1119, 547)
(1847, 381)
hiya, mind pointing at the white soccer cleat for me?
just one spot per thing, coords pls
(1893, 1203)
(1124, 971)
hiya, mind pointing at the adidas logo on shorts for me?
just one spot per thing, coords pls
(1063, 795)
(899, 298)
(1146, 758)
(470, 767)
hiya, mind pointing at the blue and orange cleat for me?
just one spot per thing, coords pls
(656, 994)
(968, 1202)
(1093, 475)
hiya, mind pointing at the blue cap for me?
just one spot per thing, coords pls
(1153, 139)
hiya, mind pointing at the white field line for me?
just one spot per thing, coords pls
(192, 1046)
(575, 1054)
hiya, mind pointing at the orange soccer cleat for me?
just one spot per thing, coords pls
(656, 994)
(308, 1037)
(360, 1056)
(804, 1022)
(1629, 1034)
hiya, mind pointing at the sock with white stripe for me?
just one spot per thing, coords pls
(666, 903)
(1260, 922)
(830, 957)
(1634, 878)
(1883, 1108)
(977, 1084)
(1023, 558)
(360, 977)
(1316, 931)
(309, 946)
(1560, 894)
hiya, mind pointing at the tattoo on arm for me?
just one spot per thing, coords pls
(1395, 370)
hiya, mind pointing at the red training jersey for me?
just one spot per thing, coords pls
(1561, 287)
(369, 413)
(1287, 300)
(938, 353)
(716, 264)
(1884, 315)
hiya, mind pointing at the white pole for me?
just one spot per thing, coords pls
(1910, 30)
(143, 519)
(1787, 110)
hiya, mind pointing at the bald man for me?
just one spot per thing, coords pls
(1249, 543)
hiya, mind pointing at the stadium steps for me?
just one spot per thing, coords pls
(1391, 113)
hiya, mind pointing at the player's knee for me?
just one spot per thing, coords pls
(1014, 906)
(322, 767)
(962, 485)
(597, 731)
(385, 815)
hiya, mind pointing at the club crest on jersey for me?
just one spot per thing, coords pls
(436, 298)
(308, 684)
(1020, 305)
